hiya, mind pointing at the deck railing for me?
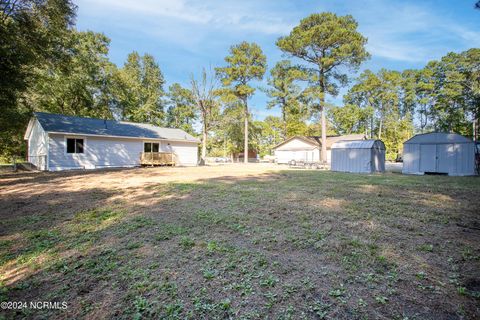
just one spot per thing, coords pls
(157, 159)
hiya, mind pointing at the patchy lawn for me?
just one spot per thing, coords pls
(243, 242)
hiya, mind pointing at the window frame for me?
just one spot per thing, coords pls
(75, 138)
(151, 146)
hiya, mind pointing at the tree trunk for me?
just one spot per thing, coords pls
(423, 122)
(380, 129)
(204, 140)
(323, 154)
(474, 130)
(245, 152)
(371, 127)
(284, 119)
(225, 146)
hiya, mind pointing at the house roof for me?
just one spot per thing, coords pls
(316, 141)
(58, 123)
(358, 144)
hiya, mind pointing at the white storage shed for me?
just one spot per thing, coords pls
(365, 156)
(437, 152)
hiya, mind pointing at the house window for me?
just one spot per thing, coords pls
(151, 147)
(74, 145)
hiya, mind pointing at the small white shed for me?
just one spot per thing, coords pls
(438, 152)
(365, 156)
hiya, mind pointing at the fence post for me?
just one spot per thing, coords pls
(15, 163)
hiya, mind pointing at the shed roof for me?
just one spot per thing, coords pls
(438, 137)
(317, 140)
(358, 144)
(58, 123)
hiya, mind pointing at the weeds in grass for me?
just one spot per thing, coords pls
(462, 291)
(271, 299)
(421, 275)
(269, 281)
(426, 247)
(320, 309)
(381, 299)
(362, 303)
(210, 273)
(338, 292)
(133, 245)
(142, 307)
(174, 310)
(187, 242)
(168, 231)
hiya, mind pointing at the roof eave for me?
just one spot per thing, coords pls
(296, 137)
(123, 137)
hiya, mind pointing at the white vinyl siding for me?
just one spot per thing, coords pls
(285, 156)
(186, 153)
(296, 144)
(37, 146)
(298, 150)
(98, 153)
(102, 152)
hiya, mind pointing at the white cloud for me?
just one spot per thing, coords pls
(218, 14)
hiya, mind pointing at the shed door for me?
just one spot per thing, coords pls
(428, 158)
(446, 158)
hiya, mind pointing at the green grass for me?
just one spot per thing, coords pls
(288, 245)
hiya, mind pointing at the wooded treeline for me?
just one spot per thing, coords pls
(47, 65)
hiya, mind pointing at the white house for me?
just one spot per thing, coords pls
(59, 142)
(308, 148)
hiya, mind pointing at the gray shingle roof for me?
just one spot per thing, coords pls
(90, 126)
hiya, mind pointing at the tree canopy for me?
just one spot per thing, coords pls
(48, 65)
(138, 90)
(245, 63)
(329, 44)
(205, 94)
(285, 92)
(181, 112)
(33, 35)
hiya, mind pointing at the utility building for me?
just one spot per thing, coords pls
(447, 153)
(361, 156)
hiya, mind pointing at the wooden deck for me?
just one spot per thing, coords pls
(157, 159)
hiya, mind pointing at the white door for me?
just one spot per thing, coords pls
(445, 158)
(428, 158)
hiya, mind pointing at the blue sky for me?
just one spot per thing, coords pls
(185, 36)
